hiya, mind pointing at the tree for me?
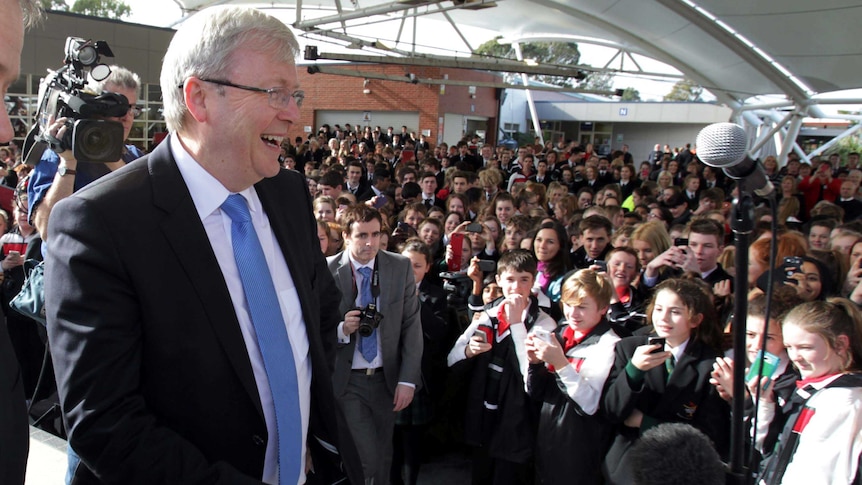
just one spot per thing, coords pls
(112, 9)
(630, 94)
(559, 53)
(684, 90)
(55, 5)
(598, 81)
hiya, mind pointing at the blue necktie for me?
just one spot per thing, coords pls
(367, 345)
(271, 337)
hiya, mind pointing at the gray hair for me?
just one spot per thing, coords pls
(31, 11)
(204, 46)
(119, 77)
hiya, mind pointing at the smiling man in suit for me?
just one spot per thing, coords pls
(191, 316)
(376, 369)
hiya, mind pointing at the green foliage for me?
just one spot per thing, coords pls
(846, 146)
(598, 81)
(630, 94)
(55, 5)
(684, 90)
(112, 9)
(559, 53)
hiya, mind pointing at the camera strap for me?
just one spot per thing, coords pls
(375, 280)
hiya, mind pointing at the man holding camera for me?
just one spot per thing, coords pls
(56, 177)
(378, 360)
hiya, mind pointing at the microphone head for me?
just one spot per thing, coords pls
(722, 144)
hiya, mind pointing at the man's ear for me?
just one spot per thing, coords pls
(195, 98)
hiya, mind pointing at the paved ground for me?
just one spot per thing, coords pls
(47, 464)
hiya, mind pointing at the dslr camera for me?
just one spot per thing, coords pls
(62, 94)
(369, 319)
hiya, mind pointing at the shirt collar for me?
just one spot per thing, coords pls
(208, 194)
(356, 264)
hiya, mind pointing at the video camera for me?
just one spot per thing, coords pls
(458, 287)
(62, 95)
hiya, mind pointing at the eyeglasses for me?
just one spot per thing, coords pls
(279, 98)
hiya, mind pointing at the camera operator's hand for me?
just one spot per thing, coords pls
(57, 128)
(351, 322)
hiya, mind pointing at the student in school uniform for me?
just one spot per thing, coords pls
(567, 373)
(500, 418)
(653, 383)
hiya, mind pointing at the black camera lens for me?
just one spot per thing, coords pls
(97, 141)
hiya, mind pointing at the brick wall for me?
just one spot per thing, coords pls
(334, 92)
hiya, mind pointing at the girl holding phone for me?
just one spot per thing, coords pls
(652, 384)
(822, 438)
(775, 388)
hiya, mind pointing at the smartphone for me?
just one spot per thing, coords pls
(403, 227)
(487, 266)
(380, 202)
(680, 241)
(792, 265)
(456, 240)
(481, 336)
(475, 227)
(603, 265)
(657, 341)
(542, 334)
(768, 361)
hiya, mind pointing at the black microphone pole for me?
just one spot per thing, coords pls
(742, 225)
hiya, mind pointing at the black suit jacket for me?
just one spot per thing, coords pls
(14, 433)
(687, 397)
(154, 377)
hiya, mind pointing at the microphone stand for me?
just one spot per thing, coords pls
(742, 224)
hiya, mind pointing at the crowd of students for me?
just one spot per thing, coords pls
(586, 301)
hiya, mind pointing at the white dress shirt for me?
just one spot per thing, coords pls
(208, 194)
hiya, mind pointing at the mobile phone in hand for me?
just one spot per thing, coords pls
(657, 341)
(542, 334)
(603, 265)
(480, 335)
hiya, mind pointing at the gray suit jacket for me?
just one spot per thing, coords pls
(400, 330)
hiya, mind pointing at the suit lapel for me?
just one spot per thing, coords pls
(286, 230)
(344, 278)
(185, 234)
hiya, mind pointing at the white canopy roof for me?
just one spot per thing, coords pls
(736, 49)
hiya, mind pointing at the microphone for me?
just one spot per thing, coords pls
(725, 146)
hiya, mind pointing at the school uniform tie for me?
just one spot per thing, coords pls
(670, 364)
(272, 338)
(367, 345)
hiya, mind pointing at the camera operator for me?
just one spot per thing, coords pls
(379, 354)
(56, 177)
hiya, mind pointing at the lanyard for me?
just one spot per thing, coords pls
(375, 280)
